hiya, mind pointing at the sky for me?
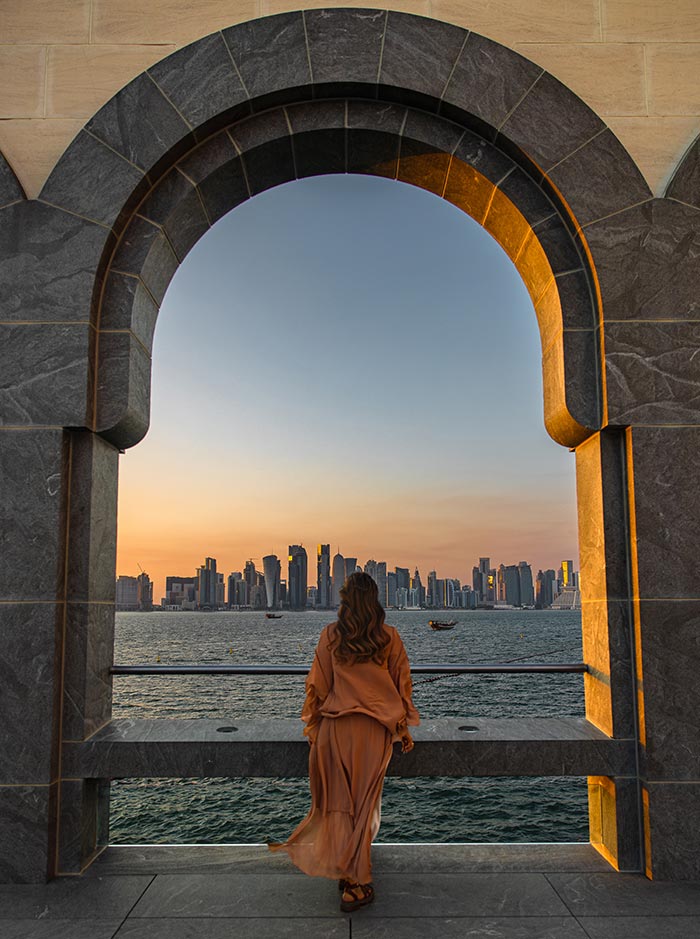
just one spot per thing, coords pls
(347, 360)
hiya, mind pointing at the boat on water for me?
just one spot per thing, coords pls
(437, 624)
(273, 615)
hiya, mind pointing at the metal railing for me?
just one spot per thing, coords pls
(483, 668)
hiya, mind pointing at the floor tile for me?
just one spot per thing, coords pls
(625, 895)
(479, 858)
(512, 927)
(58, 929)
(102, 898)
(252, 928)
(641, 927)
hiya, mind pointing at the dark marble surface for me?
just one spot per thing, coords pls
(319, 115)
(674, 815)
(30, 671)
(60, 929)
(271, 56)
(139, 123)
(123, 389)
(647, 260)
(107, 180)
(466, 927)
(272, 748)
(87, 702)
(44, 373)
(582, 376)
(257, 927)
(48, 260)
(670, 648)
(95, 898)
(317, 153)
(600, 179)
(422, 166)
(77, 829)
(345, 45)
(488, 81)
(560, 248)
(201, 81)
(685, 184)
(145, 251)
(550, 122)
(127, 305)
(575, 296)
(527, 196)
(616, 894)
(653, 372)
(33, 474)
(667, 509)
(269, 165)
(224, 189)
(435, 133)
(27, 823)
(203, 160)
(418, 54)
(641, 927)
(10, 189)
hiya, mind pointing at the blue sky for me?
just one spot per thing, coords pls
(347, 359)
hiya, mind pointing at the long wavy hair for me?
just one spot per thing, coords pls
(359, 634)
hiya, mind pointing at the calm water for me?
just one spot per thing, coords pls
(428, 810)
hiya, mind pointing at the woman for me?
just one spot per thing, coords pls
(358, 703)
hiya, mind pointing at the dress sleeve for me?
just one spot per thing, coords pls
(319, 682)
(400, 672)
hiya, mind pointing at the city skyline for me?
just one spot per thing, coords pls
(323, 398)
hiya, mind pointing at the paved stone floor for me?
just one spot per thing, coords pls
(450, 891)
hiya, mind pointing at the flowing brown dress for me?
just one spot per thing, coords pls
(353, 714)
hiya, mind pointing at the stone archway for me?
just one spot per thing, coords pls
(613, 276)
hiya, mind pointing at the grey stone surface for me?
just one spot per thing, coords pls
(271, 57)
(127, 305)
(272, 748)
(27, 814)
(647, 261)
(44, 371)
(87, 702)
(317, 115)
(641, 927)
(59, 929)
(186, 225)
(203, 160)
(674, 822)
(484, 157)
(93, 519)
(600, 179)
(550, 122)
(224, 189)
(269, 165)
(582, 376)
(653, 372)
(379, 116)
(242, 928)
(140, 124)
(77, 829)
(488, 82)
(201, 81)
(670, 650)
(72, 898)
(105, 180)
(345, 46)
(624, 895)
(558, 245)
(33, 474)
(685, 184)
(48, 260)
(575, 296)
(423, 166)
(467, 927)
(318, 153)
(373, 152)
(10, 189)
(30, 671)
(145, 251)
(123, 389)
(667, 509)
(527, 196)
(418, 55)
(436, 133)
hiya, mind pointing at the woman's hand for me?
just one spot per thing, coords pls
(407, 743)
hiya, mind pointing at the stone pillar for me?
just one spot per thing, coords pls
(614, 804)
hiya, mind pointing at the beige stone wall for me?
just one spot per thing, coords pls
(636, 62)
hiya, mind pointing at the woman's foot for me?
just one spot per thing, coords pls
(355, 896)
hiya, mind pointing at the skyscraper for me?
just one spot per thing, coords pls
(350, 566)
(403, 578)
(338, 579)
(567, 574)
(297, 577)
(323, 573)
(527, 592)
(512, 582)
(391, 589)
(419, 588)
(207, 584)
(381, 582)
(271, 567)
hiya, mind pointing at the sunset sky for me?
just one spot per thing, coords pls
(347, 360)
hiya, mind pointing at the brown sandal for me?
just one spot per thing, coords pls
(347, 906)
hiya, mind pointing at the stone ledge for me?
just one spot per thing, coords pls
(498, 747)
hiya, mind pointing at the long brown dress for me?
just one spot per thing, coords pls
(353, 714)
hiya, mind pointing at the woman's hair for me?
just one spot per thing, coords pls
(359, 634)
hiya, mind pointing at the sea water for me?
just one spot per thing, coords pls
(443, 809)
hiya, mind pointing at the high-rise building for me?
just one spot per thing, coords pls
(419, 588)
(127, 597)
(207, 581)
(371, 569)
(391, 589)
(250, 576)
(323, 573)
(544, 592)
(512, 582)
(403, 578)
(180, 592)
(527, 592)
(350, 566)
(567, 574)
(381, 582)
(432, 589)
(297, 577)
(312, 597)
(271, 567)
(233, 578)
(338, 579)
(501, 584)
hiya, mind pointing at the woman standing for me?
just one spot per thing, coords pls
(358, 703)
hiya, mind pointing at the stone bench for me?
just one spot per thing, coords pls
(447, 747)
